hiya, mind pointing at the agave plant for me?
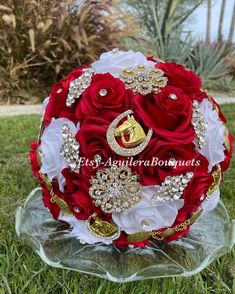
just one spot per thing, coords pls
(162, 22)
(165, 38)
(210, 61)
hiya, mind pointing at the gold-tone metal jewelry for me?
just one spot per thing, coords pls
(199, 125)
(79, 85)
(139, 236)
(132, 128)
(226, 138)
(54, 198)
(216, 181)
(115, 189)
(138, 140)
(102, 229)
(144, 235)
(41, 129)
(143, 80)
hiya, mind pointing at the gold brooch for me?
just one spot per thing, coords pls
(216, 182)
(102, 229)
(143, 80)
(115, 189)
(137, 137)
(54, 198)
(226, 138)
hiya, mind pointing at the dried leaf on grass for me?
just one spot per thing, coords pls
(32, 39)
(2, 7)
(9, 19)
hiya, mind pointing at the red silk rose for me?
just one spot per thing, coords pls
(187, 159)
(169, 113)
(94, 102)
(92, 138)
(181, 77)
(57, 103)
(77, 196)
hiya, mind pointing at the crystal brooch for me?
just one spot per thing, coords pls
(199, 125)
(172, 188)
(143, 80)
(77, 87)
(70, 149)
(115, 189)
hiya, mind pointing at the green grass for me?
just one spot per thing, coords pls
(22, 271)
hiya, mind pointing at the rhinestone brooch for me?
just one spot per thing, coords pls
(172, 188)
(70, 149)
(115, 189)
(110, 136)
(77, 87)
(143, 80)
(199, 125)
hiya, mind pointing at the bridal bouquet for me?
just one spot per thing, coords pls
(130, 150)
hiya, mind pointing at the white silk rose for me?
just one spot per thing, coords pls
(113, 62)
(80, 231)
(214, 136)
(44, 105)
(146, 217)
(210, 203)
(51, 141)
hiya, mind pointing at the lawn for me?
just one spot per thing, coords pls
(22, 271)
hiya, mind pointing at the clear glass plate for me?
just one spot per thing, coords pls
(210, 237)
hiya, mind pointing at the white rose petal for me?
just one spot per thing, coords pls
(157, 217)
(214, 137)
(44, 105)
(51, 142)
(210, 203)
(113, 63)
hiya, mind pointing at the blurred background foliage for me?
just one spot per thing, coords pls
(164, 25)
(42, 40)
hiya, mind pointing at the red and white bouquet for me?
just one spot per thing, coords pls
(130, 150)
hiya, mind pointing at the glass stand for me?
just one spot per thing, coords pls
(210, 237)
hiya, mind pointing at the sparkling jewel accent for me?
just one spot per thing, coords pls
(102, 229)
(199, 125)
(172, 188)
(145, 223)
(173, 96)
(143, 80)
(202, 197)
(76, 209)
(115, 50)
(103, 92)
(115, 189)
(70, 149)
(144, 235)
(80, 84)
(97, 157)
(116, 147)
